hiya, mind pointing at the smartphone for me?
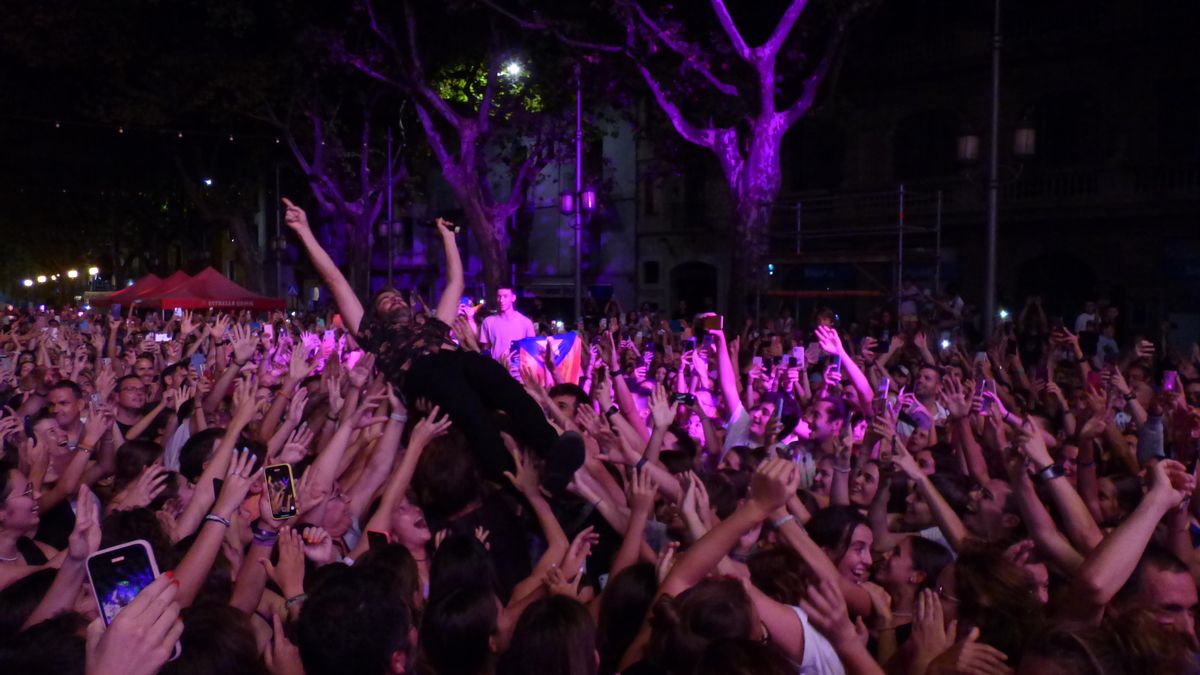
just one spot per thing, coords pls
(106, 361)
(684, 398)
(713, 322)
(377, 539)
(707, 342)
(1096, 380)
(879, 403)
(792, 361)
(162, 337)
(118, 574)
(1170, 381)
(985, 385)
(281, 491)
(756, 361)
(689, 345)
(178, 312)
(648, 347)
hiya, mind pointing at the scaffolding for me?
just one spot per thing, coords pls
(889, 228)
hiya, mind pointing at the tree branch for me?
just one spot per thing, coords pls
(812, 83)
(702, 137)
(784, 28)
(689, 52)
(530, 24)
(739, 44)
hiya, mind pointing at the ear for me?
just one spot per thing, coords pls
(1010, 520)
(916, 578)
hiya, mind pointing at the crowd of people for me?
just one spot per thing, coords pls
(811, 494)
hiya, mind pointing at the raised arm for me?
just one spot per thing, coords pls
(1111, 563)
(831, 343)
(348, 304)
(447, 307)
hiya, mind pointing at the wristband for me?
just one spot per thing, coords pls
(212, 517)
(640, 463)
(260, 533)
(294, 600)
(841, 470)
(84, 448)
(1049, 473)
(398, 418)
(1130, 396)
(782, 520)
(612, 410)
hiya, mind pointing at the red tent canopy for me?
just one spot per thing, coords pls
(210, 290)
(126, 295)
(151, 296)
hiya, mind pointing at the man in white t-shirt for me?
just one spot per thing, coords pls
(501, 329)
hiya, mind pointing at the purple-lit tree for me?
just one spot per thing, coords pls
(349, 182)
(720, 92)
(490, 135)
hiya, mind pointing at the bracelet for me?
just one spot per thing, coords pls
(1130, 396)
(84, 448)
(212, 517)
(260, 533)
(640, 463)
(841, 470)
(1049, 473)
(294, 600)
(782, 520)
(612, 410)
(398, 418)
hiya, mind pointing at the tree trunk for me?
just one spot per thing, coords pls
(754, 187)
(491, 233)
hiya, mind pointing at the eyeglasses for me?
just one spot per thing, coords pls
(941, 591)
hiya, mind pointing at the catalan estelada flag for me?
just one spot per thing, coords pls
(567, 350)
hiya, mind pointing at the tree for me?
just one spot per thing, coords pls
(724, 95)
(491, 134)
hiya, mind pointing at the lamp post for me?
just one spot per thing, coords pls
(581, 203)
(993, 206)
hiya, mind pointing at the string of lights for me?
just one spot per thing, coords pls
(128, 129)
(71, 274)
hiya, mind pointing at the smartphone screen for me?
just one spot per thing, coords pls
(689, 344)
(756, 361)
(714, 322)
(281, 491)
(1170, 381)
(118, 574)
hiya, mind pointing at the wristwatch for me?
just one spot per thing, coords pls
(1049, 473)
(612, 410)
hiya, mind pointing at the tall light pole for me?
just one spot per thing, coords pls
(989, 289)
(578, 191)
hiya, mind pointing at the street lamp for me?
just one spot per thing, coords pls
(27, 283)
(41, 278)
(93, 271)
(514, 69)
(72, 274)
(581, 202)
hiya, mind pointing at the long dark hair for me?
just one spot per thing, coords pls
(623, 606)
(684, 626)
(455, 632)
(554, 636)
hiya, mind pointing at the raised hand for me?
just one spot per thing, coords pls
(238, 479)
(85, 536)
(581, 548)
(295, 217)
(662, 411)
(970, 656)
(525, 479)
(773, 484)
(141, 637)
(288, 573)
(296, 447)
(641, 491)
(149, 484)
(826, 609)
(434, 425)
(318, 546)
